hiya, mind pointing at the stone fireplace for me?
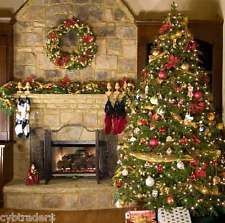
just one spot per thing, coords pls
(116, 37)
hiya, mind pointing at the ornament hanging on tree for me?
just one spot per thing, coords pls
(155, 193)
(159, 168)
(170, 199)
(149, 181)
(190, 91)
(162, 75)
(154, 142)
(180, 165)
(198, 95)
(169, 151)
(124, 172)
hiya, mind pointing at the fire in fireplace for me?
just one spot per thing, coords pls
(74, 160)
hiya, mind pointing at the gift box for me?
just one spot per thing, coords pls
(145, 216)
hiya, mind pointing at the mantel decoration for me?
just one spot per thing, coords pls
(82, 54)
(10, 91)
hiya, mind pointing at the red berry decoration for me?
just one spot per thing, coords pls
(197, 95)
(153, 142)
(159, 168)
(170, 199)
(118, 183)
(162, 75)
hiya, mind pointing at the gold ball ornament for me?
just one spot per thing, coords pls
(216, 180)
(211, 116)
(185, 67)
(220, 126)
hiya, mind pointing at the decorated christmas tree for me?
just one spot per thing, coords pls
(171, 154)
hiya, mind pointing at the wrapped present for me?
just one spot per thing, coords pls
(178, 215)
(145, 216)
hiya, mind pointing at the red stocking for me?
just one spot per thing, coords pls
(108, 124)
(115, 125)
(121, 124)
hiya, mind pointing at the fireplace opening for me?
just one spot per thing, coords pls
(74, 160)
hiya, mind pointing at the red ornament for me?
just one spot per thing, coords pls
(162, 130)
(197, 95)
(195, 139)
(143, 122)
(172, 62)
(200, 172)
(118, 183)
(155, 117)
(162, 75)
(170, 199)
(183, 141)
(88, 38)
(165, 27)
(197, 107)
(154, 142)
(159, 168)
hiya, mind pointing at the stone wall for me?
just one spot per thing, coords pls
(110, 20)
(53, 111)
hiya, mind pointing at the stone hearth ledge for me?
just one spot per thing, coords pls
(60, 194)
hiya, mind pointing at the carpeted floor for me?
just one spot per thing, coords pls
(92, 216)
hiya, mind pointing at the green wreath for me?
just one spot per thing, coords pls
(77, 59)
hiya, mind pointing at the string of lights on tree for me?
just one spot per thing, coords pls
(172, 154)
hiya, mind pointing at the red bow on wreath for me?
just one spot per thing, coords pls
(88, 38)
(70, 22)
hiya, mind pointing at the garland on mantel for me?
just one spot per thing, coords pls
(11, 90)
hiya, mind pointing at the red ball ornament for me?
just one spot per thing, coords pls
(162, 75)
(118, 183)
(197, 95)
(170, 199)
(159, 168)
(153, 142)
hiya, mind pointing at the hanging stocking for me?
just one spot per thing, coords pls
(26, 128)
(119, 120)
(109, 111)
(19, 119)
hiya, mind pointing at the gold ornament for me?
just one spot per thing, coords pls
(207, 191)
(220, 126)
(154, 158)
(176, 35)
(211, 116)
(185, 67)
(155, 53)
(216, 180)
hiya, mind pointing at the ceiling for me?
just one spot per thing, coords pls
(194, 8)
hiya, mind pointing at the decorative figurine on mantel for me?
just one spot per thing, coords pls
(32, 176)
